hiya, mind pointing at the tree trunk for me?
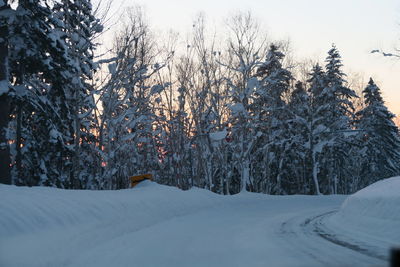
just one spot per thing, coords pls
(5, 176)
(18, 143)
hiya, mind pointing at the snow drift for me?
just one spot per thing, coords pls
(380, 200)
(27, 210)
(372, 215)
(152, 225)
(155, 225)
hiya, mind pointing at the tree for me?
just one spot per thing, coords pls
(317, 124)
(5, 14)
(299, 124)
(338, 121)
(32, 63)
(245, 48)
(273, 117)
(127, 134)
(70, 95)
(49, 64)
(380, 136)
(34, 50)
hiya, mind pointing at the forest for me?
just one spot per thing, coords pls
(226, 111)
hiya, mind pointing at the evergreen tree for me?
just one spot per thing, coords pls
(5, 15)
(33, 59)
(318, 138)
(46, 73)
(71, 93)
(380, 138)
(338, 95)
(300, 115)
(272, 120)
(338, 120)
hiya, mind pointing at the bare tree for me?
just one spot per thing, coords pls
(126, 118)
(247, 45)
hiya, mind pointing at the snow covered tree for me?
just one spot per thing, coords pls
(71, 94)
(336, 98)
(44, 72)
(206, 98)
(5, 14)
(298, 169)
(126, 134)
(317, 124)
(35, 48)
(245, 48)
(222, 118)
(379, 135)
(272, 123)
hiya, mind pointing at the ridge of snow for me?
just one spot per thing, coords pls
(26, 210)
(372, 213)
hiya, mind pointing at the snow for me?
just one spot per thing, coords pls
(54, 136)
(379, 200)
(156, 89)
(20, 90)
(112, 68)
(155, 225)
(4, 87)
(218, 136)
(372, 215)
(237, 107)
(252, 83)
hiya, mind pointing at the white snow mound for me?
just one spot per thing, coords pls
(27, 210)
(372, 215)
(380, 200)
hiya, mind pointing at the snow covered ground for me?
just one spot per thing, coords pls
(154, 225)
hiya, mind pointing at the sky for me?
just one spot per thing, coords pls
(312, 26)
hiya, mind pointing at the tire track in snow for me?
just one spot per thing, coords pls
(310, 236)
(316, 224)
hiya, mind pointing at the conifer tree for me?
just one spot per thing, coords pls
(380, 137)
(272, 121)
(73, 95)
(5, 14)
(318, 138)
(298, 167)
(44, 73)
(33, 60)
(338, 118)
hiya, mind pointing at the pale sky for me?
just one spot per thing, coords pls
(355, 26)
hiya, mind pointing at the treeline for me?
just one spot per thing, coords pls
(225, 115)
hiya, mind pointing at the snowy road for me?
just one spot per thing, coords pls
(161, 226)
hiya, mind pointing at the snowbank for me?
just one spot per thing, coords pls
(27, 210)
(155, 225)
(379, 200)
(372, 214)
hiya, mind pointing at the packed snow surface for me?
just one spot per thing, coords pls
(155, 225)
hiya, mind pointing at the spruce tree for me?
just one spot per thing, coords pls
(32, 59)
(72, 94)
(318, 137)
(380, 138)
(5, 14)
(299, 122)
(272, 120)
(338, 118)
